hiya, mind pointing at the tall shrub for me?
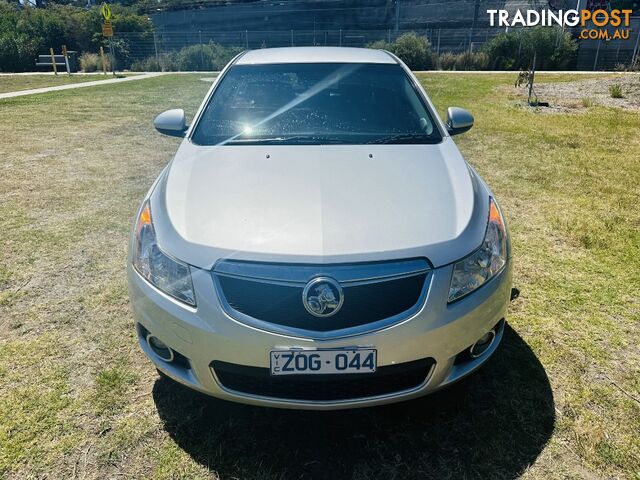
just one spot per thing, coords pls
(411, 48)
(554, 49)
(207, 57)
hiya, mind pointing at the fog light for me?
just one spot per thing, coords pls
(159, 348)
(483, 344)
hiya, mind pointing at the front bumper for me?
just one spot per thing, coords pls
(202, 335)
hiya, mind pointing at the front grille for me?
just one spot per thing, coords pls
(259, 381)
(272, 294)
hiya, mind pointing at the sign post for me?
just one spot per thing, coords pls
(66, 59)
(107, 31)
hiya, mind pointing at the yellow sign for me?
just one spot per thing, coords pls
(107, 29)
(106, 12)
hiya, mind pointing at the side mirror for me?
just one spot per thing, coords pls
(459, 120)
(172, 122)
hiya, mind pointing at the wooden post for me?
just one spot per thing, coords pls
(53, 61)
(66, 59)
(104, 63)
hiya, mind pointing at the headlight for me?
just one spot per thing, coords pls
(473, 271)
(167, 274)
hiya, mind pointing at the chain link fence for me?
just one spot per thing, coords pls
(208, 50)
(159, 50)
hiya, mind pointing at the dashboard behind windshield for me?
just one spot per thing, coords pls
(315, 104)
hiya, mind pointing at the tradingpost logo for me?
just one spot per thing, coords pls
(598, 28)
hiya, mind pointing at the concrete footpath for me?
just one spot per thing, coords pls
(129, 78)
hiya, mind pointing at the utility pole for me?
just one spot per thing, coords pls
(595, 62)
(155, 47)
(397, 15)
(201, 50)
(475, 16)
(531, 78)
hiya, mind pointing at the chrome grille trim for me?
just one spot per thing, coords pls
(297, 275)
(302, 273)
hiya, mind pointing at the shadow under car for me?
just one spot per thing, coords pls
(493, 424)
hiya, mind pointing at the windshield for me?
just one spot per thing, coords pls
(315, 104)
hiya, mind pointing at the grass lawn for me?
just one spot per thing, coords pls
(15, 83)
(77, 398)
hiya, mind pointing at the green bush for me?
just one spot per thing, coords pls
(447, 61)
(24, 34)
(149, 64)
(587, 102)
(411, 48)
(414, 50)
(472, 61)
(90, 62)
(554, 48)
(206, 57)
(169, 62)
(463, 61)
(615, 91)
(380, 45)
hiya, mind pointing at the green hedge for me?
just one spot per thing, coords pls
(555, 49)
(206, 57)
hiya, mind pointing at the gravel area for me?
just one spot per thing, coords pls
(583, 94)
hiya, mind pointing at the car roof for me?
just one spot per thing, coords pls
(314, 55)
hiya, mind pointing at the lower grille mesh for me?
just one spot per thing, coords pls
(259, 381)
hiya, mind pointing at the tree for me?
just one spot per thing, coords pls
(26, 32)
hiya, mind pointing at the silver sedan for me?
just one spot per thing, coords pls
(318, 241)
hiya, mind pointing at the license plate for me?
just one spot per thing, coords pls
(309, 362)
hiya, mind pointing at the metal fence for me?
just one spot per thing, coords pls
(140, 49)
(158, 50)
(451, 39)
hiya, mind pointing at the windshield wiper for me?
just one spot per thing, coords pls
(404, 138)
(255, 141)
(294, 139)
